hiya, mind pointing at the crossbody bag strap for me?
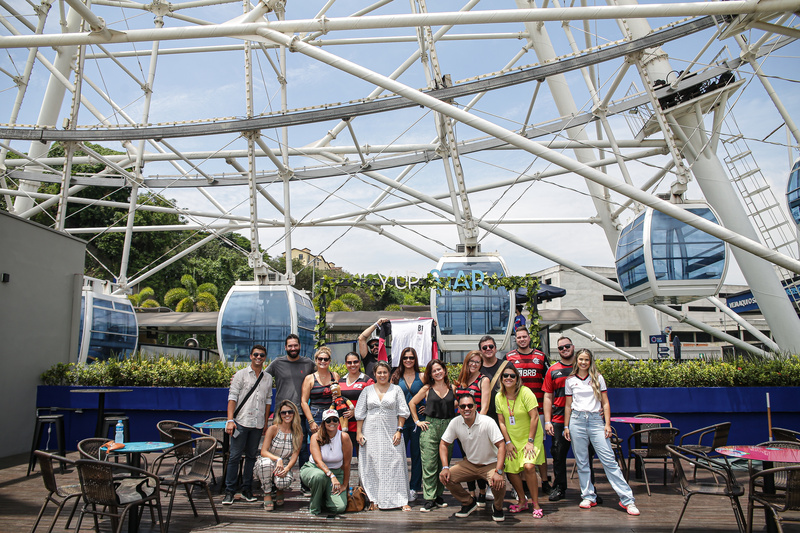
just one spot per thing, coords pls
(497, 375)
(249, 393)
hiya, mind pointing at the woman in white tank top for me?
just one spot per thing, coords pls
(327, 473)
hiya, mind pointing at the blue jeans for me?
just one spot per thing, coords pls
(245, 443)
(412, 438)
(586, 428)
(304, 451)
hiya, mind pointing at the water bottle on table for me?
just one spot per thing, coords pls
(119, 433)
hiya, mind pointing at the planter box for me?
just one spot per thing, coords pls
(144, 406)
(692, 408)
(687, 408)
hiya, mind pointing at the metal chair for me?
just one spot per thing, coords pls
(180, 435)
(656, 441)
(777, 502)
(165, 428)
(100, 487)
(90, 448)
(58, 495)
(719, 469)
(192, 472)
(785, 435)
(221, 455)
(719, 438)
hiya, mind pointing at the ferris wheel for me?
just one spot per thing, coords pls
(541, 129)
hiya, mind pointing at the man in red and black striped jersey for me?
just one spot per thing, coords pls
(554, 402)
(532, 365)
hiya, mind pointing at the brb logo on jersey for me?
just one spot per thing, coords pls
(528, 372)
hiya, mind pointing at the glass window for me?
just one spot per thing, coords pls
(793, 192)
(114, 330)
(682, 252)
(306, 322)
(475, 312)
(250, 318)
(631, 269)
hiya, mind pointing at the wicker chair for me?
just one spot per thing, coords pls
(90, 448)
(657, 440)
(785, 435)
(719, 438)
(719, 469)
(117, 496)
(58, 495)
(181, 436)
(779, 478)
(221, 455)
(778, 502)
(192, 472)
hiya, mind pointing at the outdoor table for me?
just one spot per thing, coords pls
(226, 440)
(101, 406)
(136, 449)
(767, 455)
(636, 422)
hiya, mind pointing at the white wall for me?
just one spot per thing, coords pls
(39, 307)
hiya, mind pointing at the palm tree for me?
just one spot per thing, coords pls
(190, 297)
(144, 298)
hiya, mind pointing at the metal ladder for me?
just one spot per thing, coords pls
(777, 231)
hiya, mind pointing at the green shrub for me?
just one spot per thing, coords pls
(777, 371)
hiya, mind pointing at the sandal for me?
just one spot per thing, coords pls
(405, 508)
(279, 499)
(538, 513)
(516, 508)
(373, 506)
(269, 505)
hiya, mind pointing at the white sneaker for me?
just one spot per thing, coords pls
(587, 504)
(631, 509)
(412, 495)
(489, 495)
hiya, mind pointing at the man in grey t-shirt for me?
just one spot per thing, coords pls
(289, 372)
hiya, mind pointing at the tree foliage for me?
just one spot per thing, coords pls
(144, 298)
(191, 297)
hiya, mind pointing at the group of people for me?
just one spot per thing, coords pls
(498, 411)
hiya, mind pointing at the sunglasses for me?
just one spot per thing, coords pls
(352, 362)
(408, 358)
(487, 347)
(258, 355)
(332, 421)
(323, 359)
(564, 347)
(467, 406)
(476, 363)
(507, 376)
(287, 413)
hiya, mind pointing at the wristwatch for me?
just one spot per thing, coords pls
(500, 471)
(530, 440)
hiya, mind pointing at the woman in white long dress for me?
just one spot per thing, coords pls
(380, 414)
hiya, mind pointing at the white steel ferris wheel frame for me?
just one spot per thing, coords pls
(250, 149)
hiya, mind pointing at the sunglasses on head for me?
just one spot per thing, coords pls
(487, 347)
(286, 413)
(323, 359)
(564, 347)
(512, 376)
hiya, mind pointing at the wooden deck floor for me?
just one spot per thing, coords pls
(21, 497)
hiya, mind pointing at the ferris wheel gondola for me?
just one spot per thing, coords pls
(108, 327)
(264, 314)
(662, 260)
(464, 317)
(793, 192)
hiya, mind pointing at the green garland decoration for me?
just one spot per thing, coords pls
(375, 287)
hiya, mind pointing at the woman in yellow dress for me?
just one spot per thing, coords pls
(518, 417)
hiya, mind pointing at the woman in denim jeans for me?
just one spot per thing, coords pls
(588, 417)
